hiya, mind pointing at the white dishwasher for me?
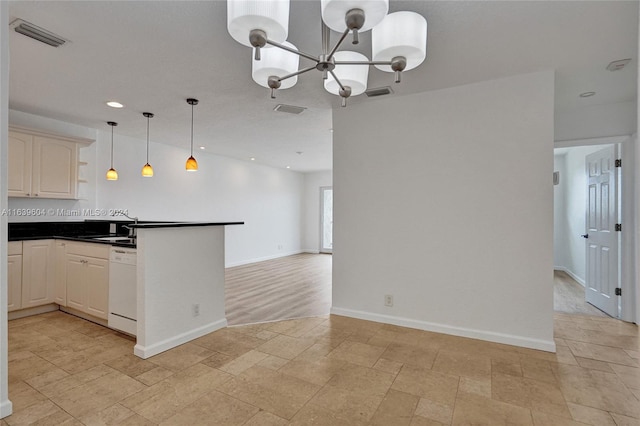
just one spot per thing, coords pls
(123, 306)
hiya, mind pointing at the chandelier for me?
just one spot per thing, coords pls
(398, 41)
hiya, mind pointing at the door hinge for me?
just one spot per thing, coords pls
(619, 162)
(618, 227)
(618, 291)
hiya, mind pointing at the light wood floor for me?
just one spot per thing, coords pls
(568, 296)
(289, 287)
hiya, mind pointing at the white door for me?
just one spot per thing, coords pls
(326, 219)
(601, 236)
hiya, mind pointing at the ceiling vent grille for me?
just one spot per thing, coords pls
(618, 65)
(37, 33)
(379, 91)
(290, 109)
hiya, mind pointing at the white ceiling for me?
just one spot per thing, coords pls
(152, 55)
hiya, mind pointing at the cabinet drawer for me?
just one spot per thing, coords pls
(14, 247)
(101, 251)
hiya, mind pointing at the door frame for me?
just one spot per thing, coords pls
(629, 245)
(321, 248)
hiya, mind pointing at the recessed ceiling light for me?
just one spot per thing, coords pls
(114, 104)
(288, 167)
(202, 147)
(587, 94)
(252, 158)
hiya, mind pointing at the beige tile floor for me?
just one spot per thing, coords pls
(327, 370)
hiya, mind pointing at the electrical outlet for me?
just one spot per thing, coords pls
(279, 246)
(388, 300)
(196, 309)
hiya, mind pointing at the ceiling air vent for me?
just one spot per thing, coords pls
(379, 91)
(291, 109)
(37, 33)
(618, 65)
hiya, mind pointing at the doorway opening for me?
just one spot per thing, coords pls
(587, 245)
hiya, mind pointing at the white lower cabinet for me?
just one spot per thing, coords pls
(37, 273)
(87, 278)
(68, 273)
(14, 275)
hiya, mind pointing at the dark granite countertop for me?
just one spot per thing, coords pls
(92, 231)
(180, 224)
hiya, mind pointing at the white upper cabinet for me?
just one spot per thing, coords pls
(20, 160)
(42, 165)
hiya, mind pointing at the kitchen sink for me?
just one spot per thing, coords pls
(114, 239)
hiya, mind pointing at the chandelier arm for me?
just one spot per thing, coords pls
(302, 71)
(335, 77)
(297, 52)
(363, 62)
(335, 48)
(326, 37)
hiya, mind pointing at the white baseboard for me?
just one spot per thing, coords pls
(312, 251)
(543, 345)
(262, 259)
(6, 408)
(571, 274)
(145, 352)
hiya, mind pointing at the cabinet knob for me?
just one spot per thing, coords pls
(37, 195)
(28, 195)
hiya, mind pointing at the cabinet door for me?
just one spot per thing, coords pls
(55, 168)
(75, 282)
(14, 280)
(60, 287)
(19, 164)
(97, 282)
(37, 273)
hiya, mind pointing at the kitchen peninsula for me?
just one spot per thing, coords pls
(179, 275)
(180, 280)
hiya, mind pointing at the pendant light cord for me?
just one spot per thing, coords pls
(148, 139)
(112, 147)
(192, 129)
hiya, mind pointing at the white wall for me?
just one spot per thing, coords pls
(267, 199)
(444, 200)
(311, 210)
(573, 213)
(596, 121)
(5, 404)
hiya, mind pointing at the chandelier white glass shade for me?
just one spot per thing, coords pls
(400, 34)
(400, 43)
(276, 62)
(334, 12)
(352, 76)
(269, 16)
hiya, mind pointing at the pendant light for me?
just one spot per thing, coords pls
(147, 170)
(192, 164)
(112, 174)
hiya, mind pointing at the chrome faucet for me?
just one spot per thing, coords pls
(132, 231)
